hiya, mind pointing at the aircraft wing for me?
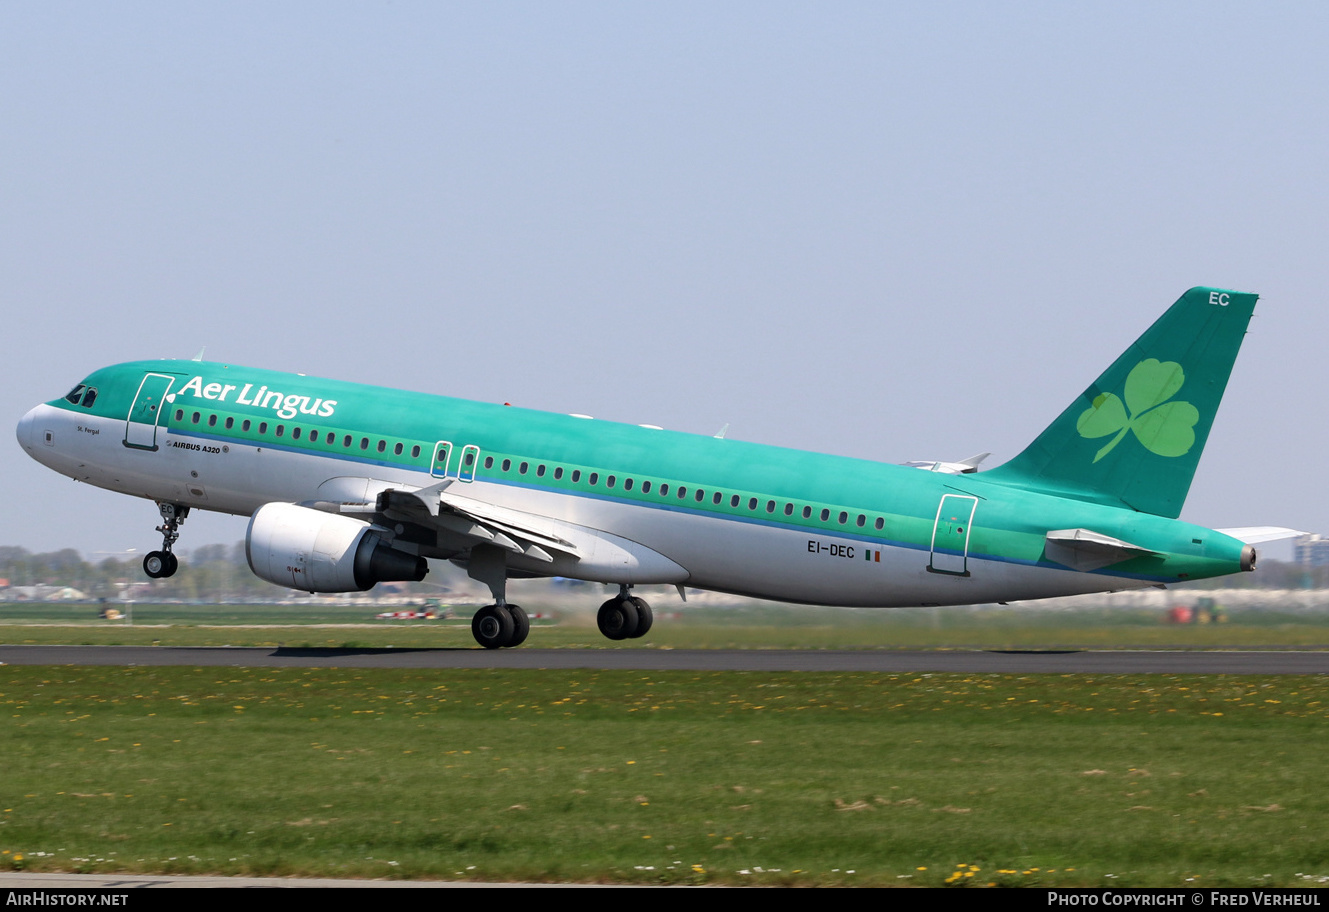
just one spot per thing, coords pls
(476, 521)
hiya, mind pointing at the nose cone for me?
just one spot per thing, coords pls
(25, 429)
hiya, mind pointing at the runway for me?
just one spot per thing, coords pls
(906, 661)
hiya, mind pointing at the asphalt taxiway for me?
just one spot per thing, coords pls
(962, 661)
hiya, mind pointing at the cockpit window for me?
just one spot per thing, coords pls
(89, 397)
(76, 394)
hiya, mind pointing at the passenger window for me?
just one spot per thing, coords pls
(522, 468)
(540, 470)
(701, 495)
(627, 484)
(770, 506)
(382, 446)
(733, 501)
(843, 517)
(645, 487)
(717, 498)
(664, 490)
(489, 462)
(179, 414)
(825, 515)
(752, 503)
(788, 509)
(507, 464)
(230, 423)
(682, 492)
(880, 523)
(313, 436)
(212, 421)
(415, 451)
(558, 473)
(576, 475)
(281, 429)
(861, 519)
(244, 426)
(609, 482)
(196, 417)
(346, 441)
(807, 512)
(262, 427)
(595, 477)
(364, 443)
(396, 451)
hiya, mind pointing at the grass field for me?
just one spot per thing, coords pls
(811, 778)
(635, 777)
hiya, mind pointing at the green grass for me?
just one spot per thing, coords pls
(758, 626)
(666, 777)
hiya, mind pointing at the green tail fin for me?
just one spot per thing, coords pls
(1134, 437)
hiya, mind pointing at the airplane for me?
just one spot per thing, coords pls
(349, 485)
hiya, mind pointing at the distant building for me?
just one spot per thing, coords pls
(1311, 550)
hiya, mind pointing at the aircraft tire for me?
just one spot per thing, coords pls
(645, 617)
(617, 619)
(492, 627)
(155, 564)
(172, 563)
(521, 625)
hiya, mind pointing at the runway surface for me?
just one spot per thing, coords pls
(963, 661)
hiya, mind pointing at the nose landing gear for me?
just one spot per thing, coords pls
(163, 563)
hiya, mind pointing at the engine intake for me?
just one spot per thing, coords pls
(322, 552)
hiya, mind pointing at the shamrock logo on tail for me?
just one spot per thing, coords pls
(1162, 427)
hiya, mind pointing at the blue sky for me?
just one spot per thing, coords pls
(887, 231)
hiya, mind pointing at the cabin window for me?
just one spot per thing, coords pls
(717, 498)
(489, 462)
(843, 517)
(734, 501)
(595, 478)
(364, 443)
(880, 524)
(230, 423)
(469, 458)
(807, 512)
(701, 495)
(507, 464)
(770, 506)
(281, 429)
(196, 417)
(682, 492)
(313, 436)
(346, 441)
(609, 482)
(295, 433)
(825, 515)
(558, 473)
(179, 414)
(788, 509)
(212, 420)
(244, 425)
(396, 451)
(861, 519)
(645, 487)
(540, 470)
(415, 451)
(664, 490)
(752, 503)
(627, 484)
(576, 475)
(521, 469)
(382, 446)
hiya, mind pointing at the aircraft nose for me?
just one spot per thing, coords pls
(25, 426)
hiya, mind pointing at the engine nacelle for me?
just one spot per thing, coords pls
(322, 552)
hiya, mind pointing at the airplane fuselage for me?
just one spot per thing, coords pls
(642, 505)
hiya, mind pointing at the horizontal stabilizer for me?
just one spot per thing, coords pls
(1253, 535)
(1083, 549)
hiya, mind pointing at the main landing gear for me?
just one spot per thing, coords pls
(496, 626)
(624, 616)
(163, 563)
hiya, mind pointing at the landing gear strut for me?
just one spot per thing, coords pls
(163, 563)
(624, 616)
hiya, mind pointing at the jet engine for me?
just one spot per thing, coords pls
(323, 552)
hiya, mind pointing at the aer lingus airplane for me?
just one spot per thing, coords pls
(352, 485)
